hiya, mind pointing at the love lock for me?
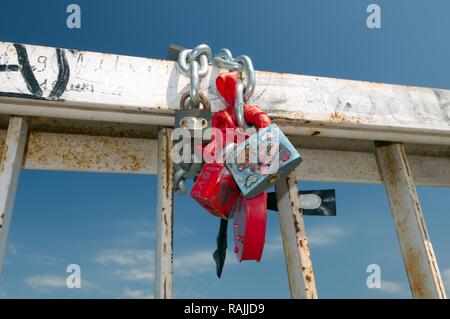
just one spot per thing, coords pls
(196, 120)
(215, 190)
(262, 160)
(249, 227)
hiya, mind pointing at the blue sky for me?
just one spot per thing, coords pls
(105, 222)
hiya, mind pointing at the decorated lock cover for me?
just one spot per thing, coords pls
(262, 160)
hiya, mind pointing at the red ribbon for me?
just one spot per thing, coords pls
(226, 118)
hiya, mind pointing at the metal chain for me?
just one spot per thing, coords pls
(195, 65)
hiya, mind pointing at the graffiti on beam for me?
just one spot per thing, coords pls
(28, 75)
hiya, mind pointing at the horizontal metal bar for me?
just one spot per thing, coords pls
(107, 87)
(49, 151)
(74, 152)
(361, 167)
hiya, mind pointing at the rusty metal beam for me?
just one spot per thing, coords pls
(415, 243)
(295, 242)
(76, 152)
(70, 152)
(361, 167)
(9, 176)
(164, 218)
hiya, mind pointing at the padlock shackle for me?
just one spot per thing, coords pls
(203, 101)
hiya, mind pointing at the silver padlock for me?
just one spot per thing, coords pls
(196, 120)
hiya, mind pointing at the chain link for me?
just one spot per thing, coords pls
(224, 60)
(195, 64)
(244, 90)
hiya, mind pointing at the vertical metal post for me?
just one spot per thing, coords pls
(11, 165)
(164, 217)
(295, 243)
(418, 255)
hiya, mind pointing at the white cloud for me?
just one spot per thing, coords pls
(194, 263)
(136, 265)
(446, 279)
(138, 274)
(395, 288)
(137, 231)
(273, 245)
(185, 232)
(132, 264)
(325, 235)
(125, 256)
(318, 236)
(48, 282)
(145, 234)
(392, 286)
(137, 294)
(39, 259)
(32, 258)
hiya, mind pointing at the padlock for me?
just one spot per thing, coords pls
(216, 190)
(249, 227)
(195, 120)
(262, 160)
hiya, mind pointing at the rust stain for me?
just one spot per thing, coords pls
(5, 151)
(337, 117)
(341, 118)
(165, 288)
(167, 165)
(166, 224)
(296, 226)
(416, 273)
(94, 152)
